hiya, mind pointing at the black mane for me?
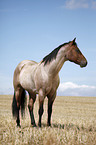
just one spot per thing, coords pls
(52, 55)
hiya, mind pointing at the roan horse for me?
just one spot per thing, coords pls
(42, 79)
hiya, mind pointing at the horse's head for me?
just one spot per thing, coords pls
(74, 54)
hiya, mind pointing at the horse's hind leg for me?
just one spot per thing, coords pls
(32, 98)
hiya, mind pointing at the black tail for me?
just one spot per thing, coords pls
(14, 107)
(22, 104)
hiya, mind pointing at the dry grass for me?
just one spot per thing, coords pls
(73, 123)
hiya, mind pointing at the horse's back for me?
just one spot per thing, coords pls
(18, 70)
(24, 63)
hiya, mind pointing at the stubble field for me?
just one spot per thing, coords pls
(73, 123)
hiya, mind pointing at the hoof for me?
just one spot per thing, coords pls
(18, 125)
(33, 125)
(49, 124)
(39, 124)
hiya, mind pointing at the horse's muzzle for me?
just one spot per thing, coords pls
(83, 63)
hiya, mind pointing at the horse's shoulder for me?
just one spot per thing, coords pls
(56, 81)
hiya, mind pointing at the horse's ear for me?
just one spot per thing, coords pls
(74, 39)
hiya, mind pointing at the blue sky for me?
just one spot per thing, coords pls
(31, 29)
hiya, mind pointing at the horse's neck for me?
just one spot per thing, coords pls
(55, 65)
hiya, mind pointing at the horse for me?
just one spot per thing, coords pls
(43, 79)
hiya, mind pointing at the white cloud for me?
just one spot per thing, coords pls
(78, 4)
(72, 89)
(75, 4)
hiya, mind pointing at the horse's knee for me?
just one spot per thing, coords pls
(41, 101)
(41, 110)
(30, 105)
(41, 96)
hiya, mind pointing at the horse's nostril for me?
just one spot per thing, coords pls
(83, 63)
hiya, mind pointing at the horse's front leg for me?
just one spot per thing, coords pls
(41, 110)
(50, 103)
(32, 98)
